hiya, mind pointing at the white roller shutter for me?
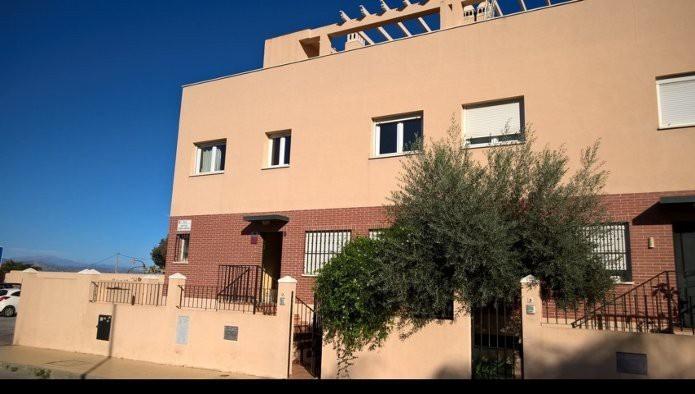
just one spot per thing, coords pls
(492, 120)
(677, 101)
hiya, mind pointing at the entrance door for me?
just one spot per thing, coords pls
(272, 257)
(685, 266)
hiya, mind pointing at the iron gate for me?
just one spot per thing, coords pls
(308, 337)
(497, 347)
(316, 344)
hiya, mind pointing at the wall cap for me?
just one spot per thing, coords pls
(287, 279)
(89, 272)
(177, 276)
(529, 280)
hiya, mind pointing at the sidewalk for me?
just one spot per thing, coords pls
(23, 362)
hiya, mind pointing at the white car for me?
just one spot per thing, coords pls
(9, 302)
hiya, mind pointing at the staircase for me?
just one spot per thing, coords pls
(652, 307)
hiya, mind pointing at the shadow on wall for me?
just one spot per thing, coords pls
(450, 372)
(590, 354)
(112, 331)
(660, 214)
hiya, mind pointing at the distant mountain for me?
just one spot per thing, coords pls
(58, 264)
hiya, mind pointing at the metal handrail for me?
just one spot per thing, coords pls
(652, 306)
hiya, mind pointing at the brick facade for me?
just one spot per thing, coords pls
(226, 239)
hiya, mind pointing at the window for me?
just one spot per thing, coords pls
(210, 158)
(493, 123)
(279, 150)
(321, 247)
(375, 234)
(611, 244)
(676, 101)
(397, 136)
(182, 245)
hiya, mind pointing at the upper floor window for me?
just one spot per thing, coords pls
(320, 247)
(493, 123)
(210, 157)
(397, 136)
(279, 148)
(676, 101)
(611, 244)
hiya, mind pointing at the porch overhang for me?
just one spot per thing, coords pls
(677, 200)
(266, 219)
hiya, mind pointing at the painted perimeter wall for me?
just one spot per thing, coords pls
(56, 314)
(441, 350)
(560, 352)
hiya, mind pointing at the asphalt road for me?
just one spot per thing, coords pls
(6, 330)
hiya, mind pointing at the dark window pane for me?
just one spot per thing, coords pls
(275, 160)
(412, 133)
(388, 138)
(220, 159)
(288, 144)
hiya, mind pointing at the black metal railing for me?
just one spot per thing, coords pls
(654, 306)
(241, 283)
(303, 317)
(212, 298)
(133, 293)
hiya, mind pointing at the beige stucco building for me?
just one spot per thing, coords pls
(279, 167)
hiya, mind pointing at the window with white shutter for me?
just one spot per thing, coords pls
(676, 102)
(321, 247)
(493, 123)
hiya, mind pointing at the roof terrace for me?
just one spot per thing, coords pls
(390, 24)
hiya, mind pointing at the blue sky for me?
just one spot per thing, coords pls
(89, 106)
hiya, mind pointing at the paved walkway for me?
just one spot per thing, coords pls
(27, 362)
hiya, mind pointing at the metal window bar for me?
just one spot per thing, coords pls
(612, 245)
(321, 246)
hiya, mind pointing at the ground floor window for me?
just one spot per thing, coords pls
(376, 234)
(612, 244)
(182, 245)
(321, 247)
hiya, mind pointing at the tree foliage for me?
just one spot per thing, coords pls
(354, 299)
(469, 229)
(159, 253)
